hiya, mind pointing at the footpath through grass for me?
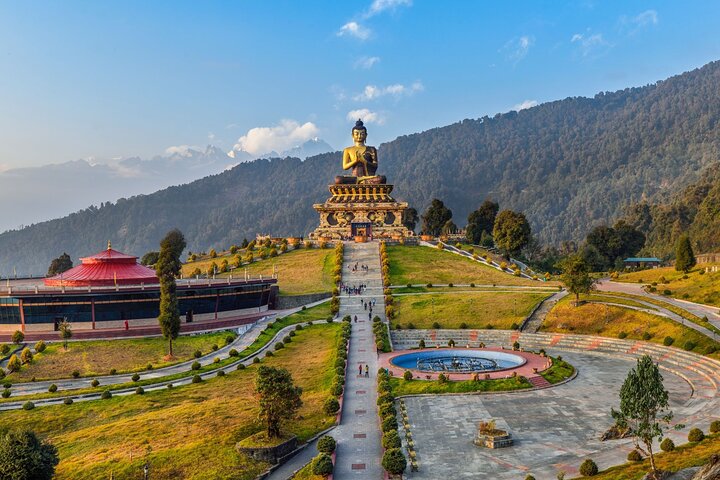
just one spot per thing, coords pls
(619, 322)
(480, 309)
(186, 432)
(423, 265)
(693, 286)
(99, 357)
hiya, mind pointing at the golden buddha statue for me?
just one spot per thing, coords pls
(362, 159)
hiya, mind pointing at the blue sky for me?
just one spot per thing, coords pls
(83, 79)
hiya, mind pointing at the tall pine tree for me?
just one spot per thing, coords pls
(684, 255)
(168, 268)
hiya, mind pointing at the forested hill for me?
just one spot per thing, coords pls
(569, 165)
(694, 211)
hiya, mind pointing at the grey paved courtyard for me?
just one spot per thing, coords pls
(554, 429)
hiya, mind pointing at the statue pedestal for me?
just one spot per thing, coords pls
(357, 210)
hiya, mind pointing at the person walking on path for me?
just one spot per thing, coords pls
(367, 370)
(360, 370)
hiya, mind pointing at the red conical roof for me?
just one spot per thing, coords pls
(106, 268)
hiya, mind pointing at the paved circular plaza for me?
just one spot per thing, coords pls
(554, 429)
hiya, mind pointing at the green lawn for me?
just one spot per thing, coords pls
(299, 271)
(416, 387)
(476, 309)
(98, 357)
(422, 265)
(697, 287)
(186, 432)
(611, 321)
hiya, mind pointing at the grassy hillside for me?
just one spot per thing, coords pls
(422, 265)
(186, 432)
(616, 322)
(299, 271)
(693, 286)
(475, 310)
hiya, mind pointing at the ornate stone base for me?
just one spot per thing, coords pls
(361, 210)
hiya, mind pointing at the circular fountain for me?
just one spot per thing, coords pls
(457, 361)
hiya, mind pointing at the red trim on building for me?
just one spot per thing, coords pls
(22, 315)
(106, 268)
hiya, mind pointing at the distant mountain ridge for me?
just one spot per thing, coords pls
(569, 165)
(50, 191)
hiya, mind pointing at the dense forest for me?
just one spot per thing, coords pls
(694, 211)
(568, 165)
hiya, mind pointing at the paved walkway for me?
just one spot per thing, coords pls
(537, 317)
(241, 342)
(359, 448)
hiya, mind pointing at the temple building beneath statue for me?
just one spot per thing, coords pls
(362, 210)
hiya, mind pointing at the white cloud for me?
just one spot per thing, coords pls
(517, 48)
(354, 29)
(589, 43)
(181, 150)
(632, 25)
(372, 92)
(211, 136)
(289, 133)
(366, 63)
(366, 115)
(648, 17)
(525, 104)
(379, 6)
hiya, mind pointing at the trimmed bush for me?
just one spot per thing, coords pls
(326, 444)
(385, 398)
(241, 366)
(40, 346)
(256, 360)
(391, 439)
(269, 354)
(529, 477)
(14, 364)
(52, 388)
(95, 382)
(197, 354)
(668, 341)
(68, 401)
(407, 375)
(394, 461)
(588, 468)
(646, 336)
(195, 366)
(6, 393)
(331, 406)
(667, 445)
(442, 379)
(139, 391)
(387, 410)
(28, 406)
(389, 423)
(135, 377)
(322, 465)
(196, 379)
(689, 345)
(279, 345)
(715, 426)
(233, 353)
(220, 373)
(634, 455)
(113, 371)
(229, 339)
(622, 335)
(18, 337)
(5, 349)
(106, 395)
(149, 366)
(26, 355)
(75, 374)
(696, 435)
(337, 390)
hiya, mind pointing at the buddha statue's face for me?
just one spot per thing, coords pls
(359, 135)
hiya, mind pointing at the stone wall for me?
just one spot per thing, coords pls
(294, 301)
(270, 454)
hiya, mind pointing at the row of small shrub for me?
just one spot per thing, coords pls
(332, 404)
(322, 464)
(393, 460)
(337, 276)
(385, 267)
(382, 340)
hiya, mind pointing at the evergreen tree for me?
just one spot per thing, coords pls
(435, 218)
(644, 407)
(684, 255)
(481, 220)
(576, 276)
(59, 265)
(511, 232)
(168, 268)
(410, 218)
(65, 331)
(150, 258)
(279, 397)
(24, 457)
